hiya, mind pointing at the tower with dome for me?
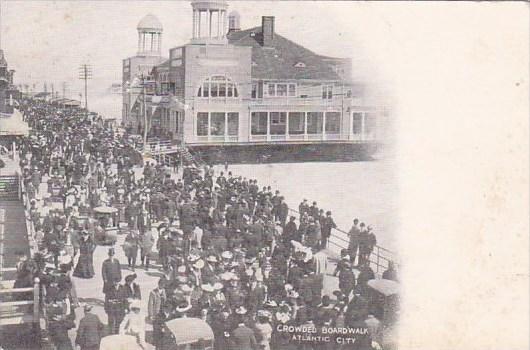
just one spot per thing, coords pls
(134, 68)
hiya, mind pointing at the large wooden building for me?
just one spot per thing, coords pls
(233, 88)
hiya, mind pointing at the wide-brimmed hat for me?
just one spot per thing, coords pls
(207, 288)
(264, 313)
(193, 258)
(186, 288)
(241, 310)
(217, 286)
(135, 304)
(199, 264)
(227, 276)
(130, 277)
(183, 306)
(211, 258)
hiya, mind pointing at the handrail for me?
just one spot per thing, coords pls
(380, 261)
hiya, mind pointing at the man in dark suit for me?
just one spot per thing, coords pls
(243, 338)
(90, 330)
(110, 270)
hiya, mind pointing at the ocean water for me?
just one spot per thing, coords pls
(365, 190)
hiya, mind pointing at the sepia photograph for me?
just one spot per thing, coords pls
(212, 175)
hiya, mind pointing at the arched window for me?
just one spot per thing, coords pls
(218, 86)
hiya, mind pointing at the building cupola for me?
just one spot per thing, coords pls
(209, 22)
(149, 36)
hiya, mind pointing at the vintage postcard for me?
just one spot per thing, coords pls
(254, 175)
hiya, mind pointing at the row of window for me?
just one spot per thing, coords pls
(221, 86)
(217, 123)
(294, 123)
(218, 86)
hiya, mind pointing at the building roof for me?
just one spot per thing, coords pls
(281, 59)
(150, 22)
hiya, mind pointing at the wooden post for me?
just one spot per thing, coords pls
(36, 303)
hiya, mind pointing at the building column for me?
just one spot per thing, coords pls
(139, 42)
(305, 125)
(219, 14)
(199, 24)
(362, 125)
(226, 126)
(194, 29)
(210, 13)
(268, 126)
(287, 125)
(209, 124)
(350, 129)
(323, 125)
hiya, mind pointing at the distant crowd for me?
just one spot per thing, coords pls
(229, 251)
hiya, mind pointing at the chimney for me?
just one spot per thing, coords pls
(267, 29)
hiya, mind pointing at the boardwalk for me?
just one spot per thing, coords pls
(13, 236)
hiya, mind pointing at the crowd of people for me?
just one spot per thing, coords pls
(229, 251)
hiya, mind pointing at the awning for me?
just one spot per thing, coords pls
(13, 125)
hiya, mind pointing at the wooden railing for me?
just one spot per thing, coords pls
(379, 258)
(14, 311)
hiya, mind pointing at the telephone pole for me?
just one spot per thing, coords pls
(85, 73)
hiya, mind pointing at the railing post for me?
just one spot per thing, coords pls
(377, 259)
(36, 301)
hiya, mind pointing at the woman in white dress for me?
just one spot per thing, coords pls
(134, 323)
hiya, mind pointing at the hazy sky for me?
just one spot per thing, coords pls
(48, 40)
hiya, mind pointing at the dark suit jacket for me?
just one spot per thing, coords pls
(90, 331)
(244, 338)
(111, 272)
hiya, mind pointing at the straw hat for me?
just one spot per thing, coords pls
(207, 288)
(241, 310)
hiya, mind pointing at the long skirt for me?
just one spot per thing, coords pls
(84, 267)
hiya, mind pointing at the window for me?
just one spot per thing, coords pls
(333, 122)
(278, 123)
(314, 122)
(292, 90)
(218, 86)
(281, 90)
(357, 123)
(296, 123)
(217, 124)
(259, 123)
(369, 123)
(327, 92)
(233, 124)
(257, 90)
(272, 90)
(300, 65)
(202, 124)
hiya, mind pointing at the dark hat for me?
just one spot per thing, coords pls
(130, 277)
(111, 251)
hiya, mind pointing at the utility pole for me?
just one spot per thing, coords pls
(64, 89)
(85, 73)
(145, 114)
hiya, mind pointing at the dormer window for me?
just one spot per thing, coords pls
(300, 65)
